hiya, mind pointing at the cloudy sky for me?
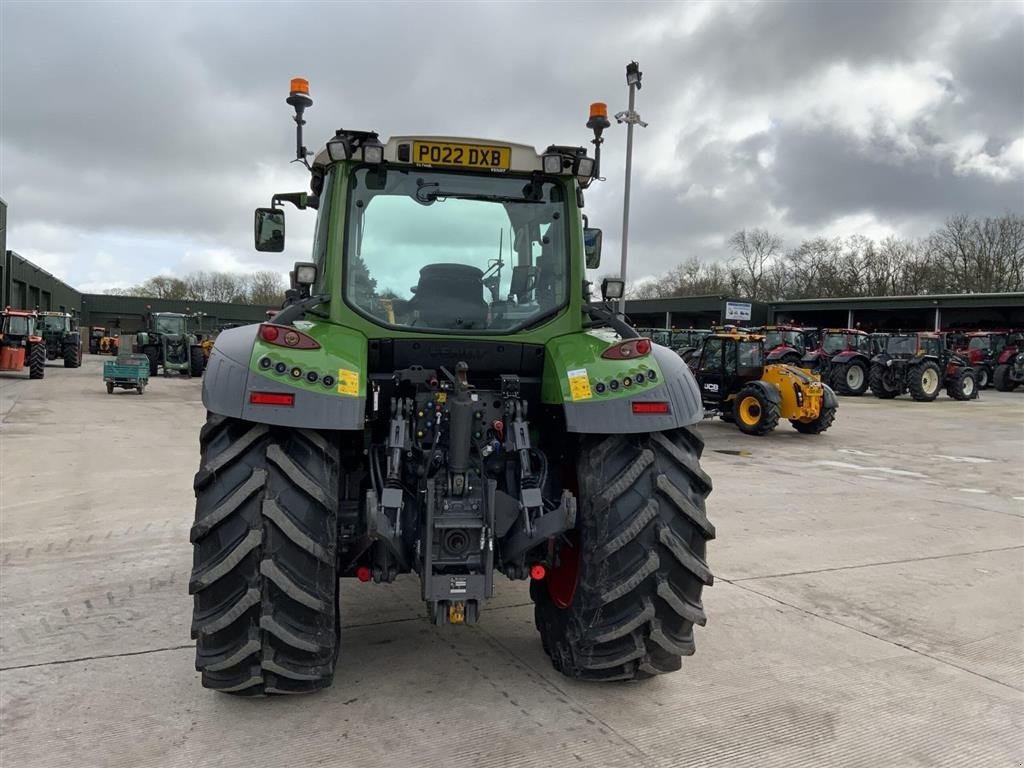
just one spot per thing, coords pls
(137, 138)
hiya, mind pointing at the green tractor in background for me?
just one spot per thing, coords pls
(440, 396)
(168, 344)
(61, 337)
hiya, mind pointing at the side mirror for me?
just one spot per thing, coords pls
(592, 247)
(269, 229)
(612, 288)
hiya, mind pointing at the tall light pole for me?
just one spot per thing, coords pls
(630, 118)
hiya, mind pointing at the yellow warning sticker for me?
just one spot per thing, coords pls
(442, 397)
(579, 384)
(348, 382)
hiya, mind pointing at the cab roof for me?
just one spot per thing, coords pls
(522, 157)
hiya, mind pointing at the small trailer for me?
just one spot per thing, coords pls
(129, 371)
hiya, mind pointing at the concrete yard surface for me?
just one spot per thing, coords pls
(868, 609)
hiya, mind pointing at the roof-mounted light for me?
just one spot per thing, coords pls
(552, 164)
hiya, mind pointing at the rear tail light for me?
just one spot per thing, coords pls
(651, 407)
(272, 398)
(286, 336)
(628, 349)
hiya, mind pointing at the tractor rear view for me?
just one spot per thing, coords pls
(920, 364)
(843, 359)
(738, 386)
(438, 400)
(168, 344)
(61, 338)
(21, 345)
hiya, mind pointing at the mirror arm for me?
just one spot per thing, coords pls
(603, 314)
(299, 199)
(293, 312)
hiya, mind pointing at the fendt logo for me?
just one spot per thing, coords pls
(463, 353)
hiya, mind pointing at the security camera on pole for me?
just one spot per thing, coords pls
(630, 118)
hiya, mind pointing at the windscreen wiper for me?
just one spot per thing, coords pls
(432, 196)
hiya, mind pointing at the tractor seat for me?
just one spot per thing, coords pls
(450, 296)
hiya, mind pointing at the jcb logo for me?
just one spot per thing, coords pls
(711, 387)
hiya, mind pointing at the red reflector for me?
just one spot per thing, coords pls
(272, 398)
(269, 332)
(363, 573)
(650, 407)
(538, 572)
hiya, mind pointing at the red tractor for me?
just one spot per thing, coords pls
(987, 349)
(1009, 370)
(785, 344)
(20, 343)
(842, 359)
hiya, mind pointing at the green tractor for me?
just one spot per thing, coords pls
(440, 397)
(62, 338)
(167, 343)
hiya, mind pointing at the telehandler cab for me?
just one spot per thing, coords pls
(440, 397)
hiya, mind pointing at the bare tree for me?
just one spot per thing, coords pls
(755, 251)
(266, 287)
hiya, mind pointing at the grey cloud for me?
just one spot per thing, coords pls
(159, 119)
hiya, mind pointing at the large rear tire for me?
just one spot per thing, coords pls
(825, 418)
(924, 382)
(265, 551)
(963, 386)
(37, 361)
(1001, 379)
(879, 386)
(72, 355)
(195, 361)
(983, 377)
(623, 601)
(850, 378)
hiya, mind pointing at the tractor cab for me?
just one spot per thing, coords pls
(842, 359)
(726, 362)
(687, 343)
(909, 345)
(784, 343)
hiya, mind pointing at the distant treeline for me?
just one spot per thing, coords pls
(965, 255)
(262, 287)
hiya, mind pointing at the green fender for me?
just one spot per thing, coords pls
(600, 396)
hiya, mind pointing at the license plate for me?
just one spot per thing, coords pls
(461, 155)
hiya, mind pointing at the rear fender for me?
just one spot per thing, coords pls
(573, 369)
(770, 393)
(846, 357)
(829, 397)
(234, 371)
(779, 352)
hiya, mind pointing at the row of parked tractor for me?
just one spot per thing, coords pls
(754, 377)
(888, 364)
(29, 338)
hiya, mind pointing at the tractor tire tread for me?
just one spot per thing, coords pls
(876, 383)
(915, 383)
(643, 532)
(265, 550)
